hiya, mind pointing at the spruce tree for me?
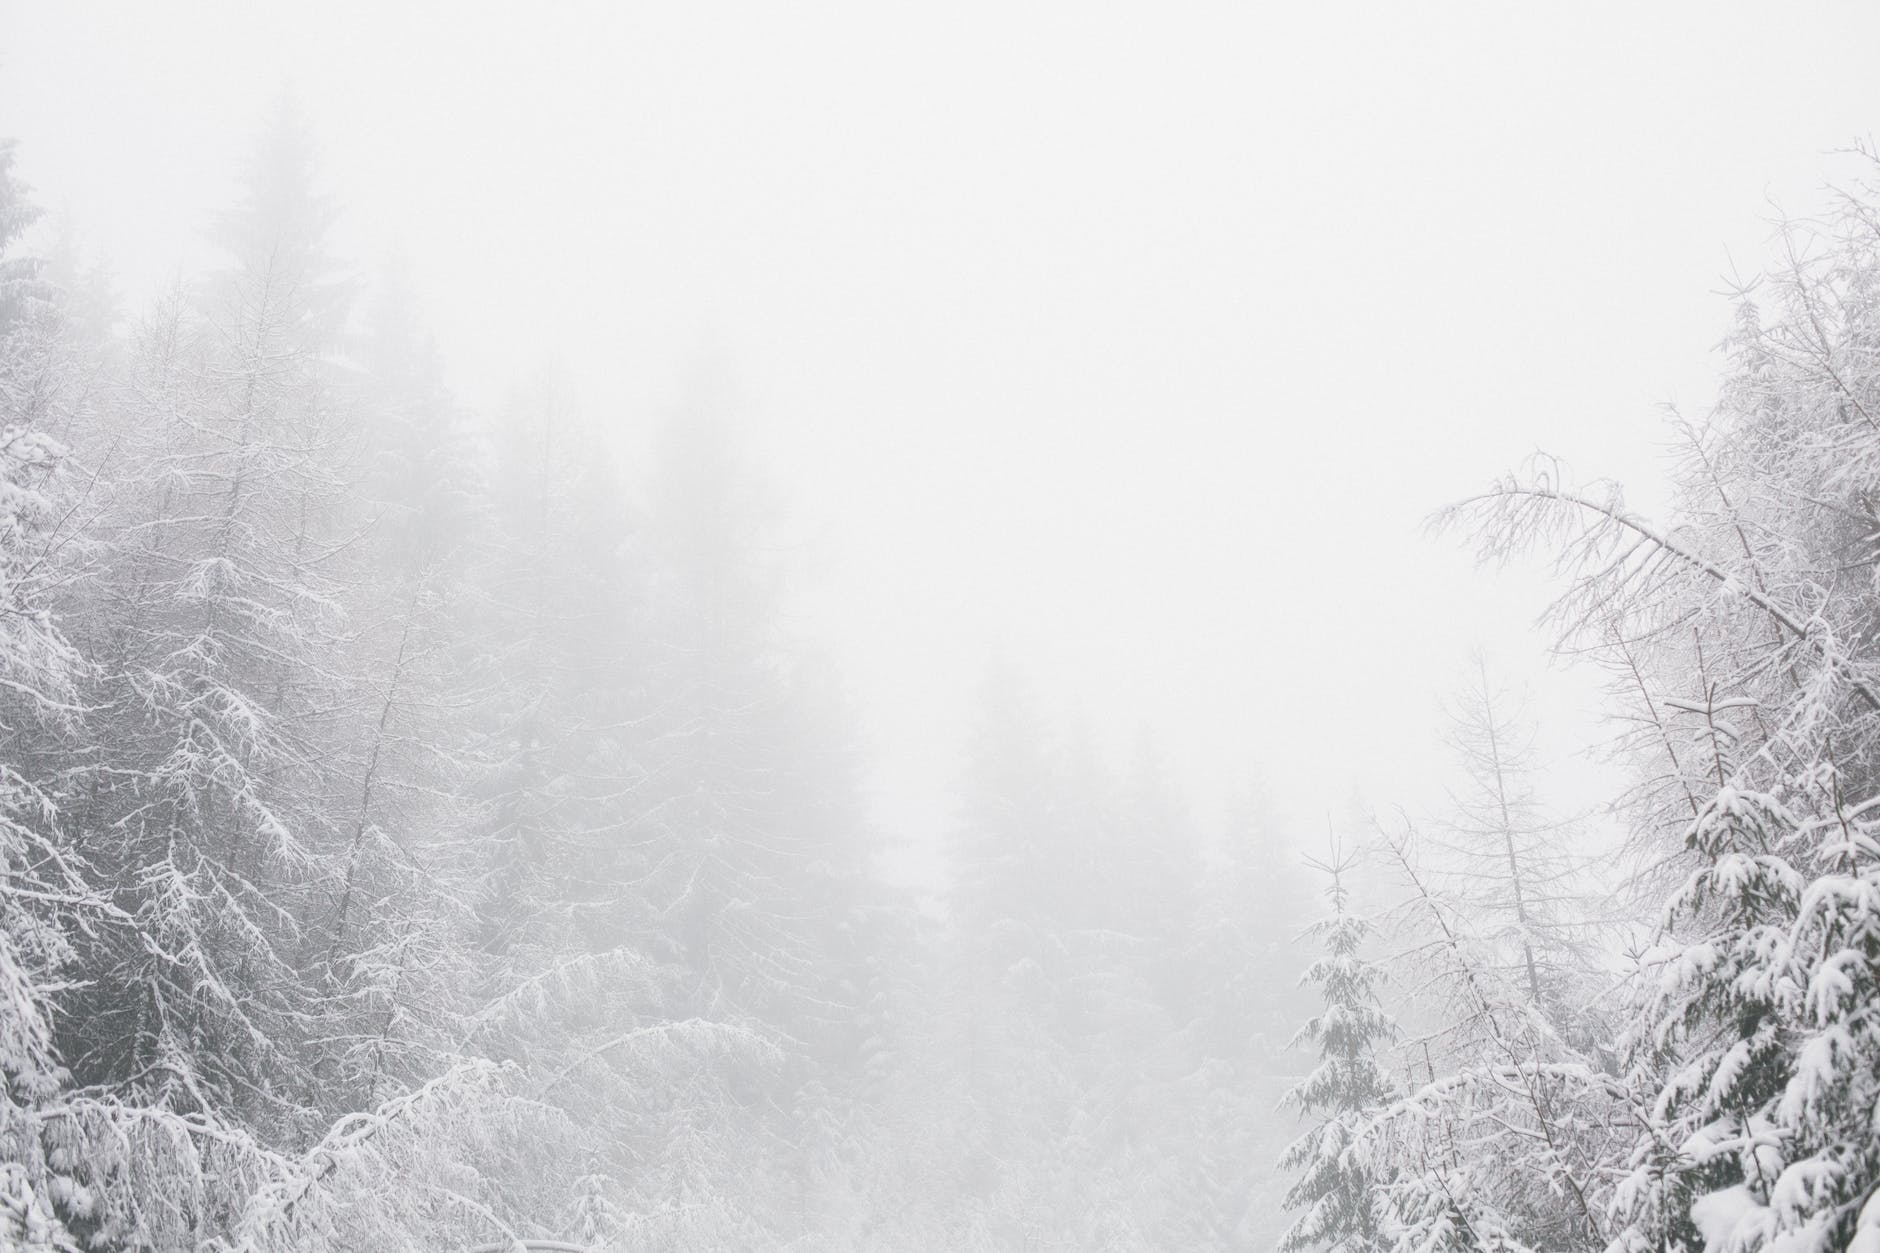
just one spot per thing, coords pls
(1340, 1198)
(46, 897)
(214, 625)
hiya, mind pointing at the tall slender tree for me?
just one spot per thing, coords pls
(214, 626)
(46, 897)
(1507, 865)
(1338, 1191)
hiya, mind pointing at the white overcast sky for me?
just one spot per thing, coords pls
(1132, 339)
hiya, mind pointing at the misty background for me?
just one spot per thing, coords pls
(724, 627)
(1095, 337)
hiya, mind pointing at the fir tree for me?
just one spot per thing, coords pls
(1336, 1189)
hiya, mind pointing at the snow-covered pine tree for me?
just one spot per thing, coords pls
(596, 1223)
(755, 869)
(1504, 1143)
(424, 483)
(1254, 900)
(1129, 999)
(80, 1169)
(732, 851)
(396, 936)
(1741, 638)
(559, 625)
(20, 285)
(45, 895)
(1012, 884)
(1077, 1073)
(1336, 1189)
(211, 622)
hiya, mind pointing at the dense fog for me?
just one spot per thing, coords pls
(837, 627)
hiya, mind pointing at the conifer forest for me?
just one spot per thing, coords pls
(939, 629)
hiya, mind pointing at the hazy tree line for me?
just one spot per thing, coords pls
(417, 830)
